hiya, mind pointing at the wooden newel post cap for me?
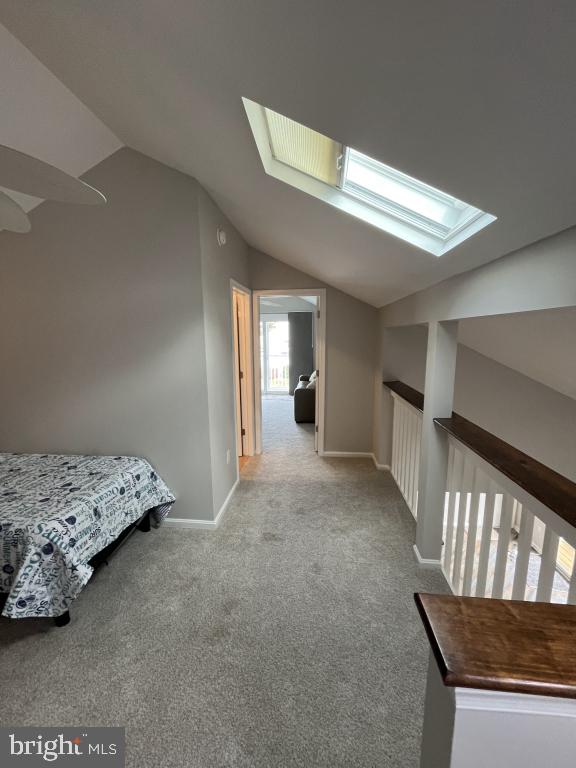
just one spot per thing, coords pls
(502, 645)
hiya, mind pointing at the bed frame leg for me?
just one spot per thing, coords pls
(144, 524)
(61, 621)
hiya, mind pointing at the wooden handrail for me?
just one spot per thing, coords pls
(407, 393)
(502, 645)
(552, 489)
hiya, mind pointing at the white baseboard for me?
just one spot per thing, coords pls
(346, 455)
(424, 562)
(211, 525)
(355, 455)
(382, 467)
(184, 522)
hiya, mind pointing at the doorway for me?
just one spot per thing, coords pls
(289, 380)
(243, 373)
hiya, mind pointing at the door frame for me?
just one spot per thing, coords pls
(245, 340)
(320, 338)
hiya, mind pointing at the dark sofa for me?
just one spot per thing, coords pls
(304, 401)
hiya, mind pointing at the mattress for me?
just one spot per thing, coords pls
(56, 513)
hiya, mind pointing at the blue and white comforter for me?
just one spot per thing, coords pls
(56, 513)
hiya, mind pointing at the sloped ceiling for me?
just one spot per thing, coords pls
(474, 98)
(41, 117)
(538, 344)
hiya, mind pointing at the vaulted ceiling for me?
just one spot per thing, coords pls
(476, 99)
(41, 117)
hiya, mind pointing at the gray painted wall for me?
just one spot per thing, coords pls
(525, 413)
(115, 333)
(101, 328)
(402, 356)
(538, 344)
(534, 418)
(219, 265)
(351, 349)
(540, 276)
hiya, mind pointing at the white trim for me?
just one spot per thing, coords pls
(355, 455)
(248, 374)
(406, 404)
(424, 562)
(236, 377)
(516, 703)
(320, 293)
(346, 455)
(184, 522)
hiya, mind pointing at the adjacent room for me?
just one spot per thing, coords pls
(288, 413)
(288, 341)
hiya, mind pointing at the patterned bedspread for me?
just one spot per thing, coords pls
(56, 513)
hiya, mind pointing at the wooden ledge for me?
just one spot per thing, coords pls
(411, 396)
(502, 645)
(555, 491)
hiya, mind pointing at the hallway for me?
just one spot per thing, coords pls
(280, 433)
(288, 637)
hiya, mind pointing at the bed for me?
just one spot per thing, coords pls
(57, 513)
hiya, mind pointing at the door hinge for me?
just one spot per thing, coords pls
(241, 374)
(318, 314)
(316, 428)
(242, 431)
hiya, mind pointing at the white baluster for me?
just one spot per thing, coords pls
(409, 460)
(394, 462)
(572, 589)
(524, 549)
(506, 513)
(547, 566)
(472, 532)
(447, 495)
(403, 451)
(460, 530)
(417, 462)
(413, 435)
(487, 526)
(455, 483)
(398, 441)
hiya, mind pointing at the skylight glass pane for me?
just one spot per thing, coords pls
(383, 182)
(302, 148)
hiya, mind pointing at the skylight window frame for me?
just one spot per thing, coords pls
(391, 206)
(385, 214)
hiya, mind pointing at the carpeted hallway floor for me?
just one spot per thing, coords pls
(288, 637)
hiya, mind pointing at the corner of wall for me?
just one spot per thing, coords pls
(219, 265)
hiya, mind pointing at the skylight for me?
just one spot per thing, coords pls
(363, 187)
(303, 148)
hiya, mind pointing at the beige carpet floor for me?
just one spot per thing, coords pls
(288, 637)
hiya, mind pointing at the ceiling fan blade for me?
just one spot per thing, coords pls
(24, 173)
(12, 217)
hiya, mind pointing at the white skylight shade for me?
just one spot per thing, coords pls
(361, 186)
(302, 148)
